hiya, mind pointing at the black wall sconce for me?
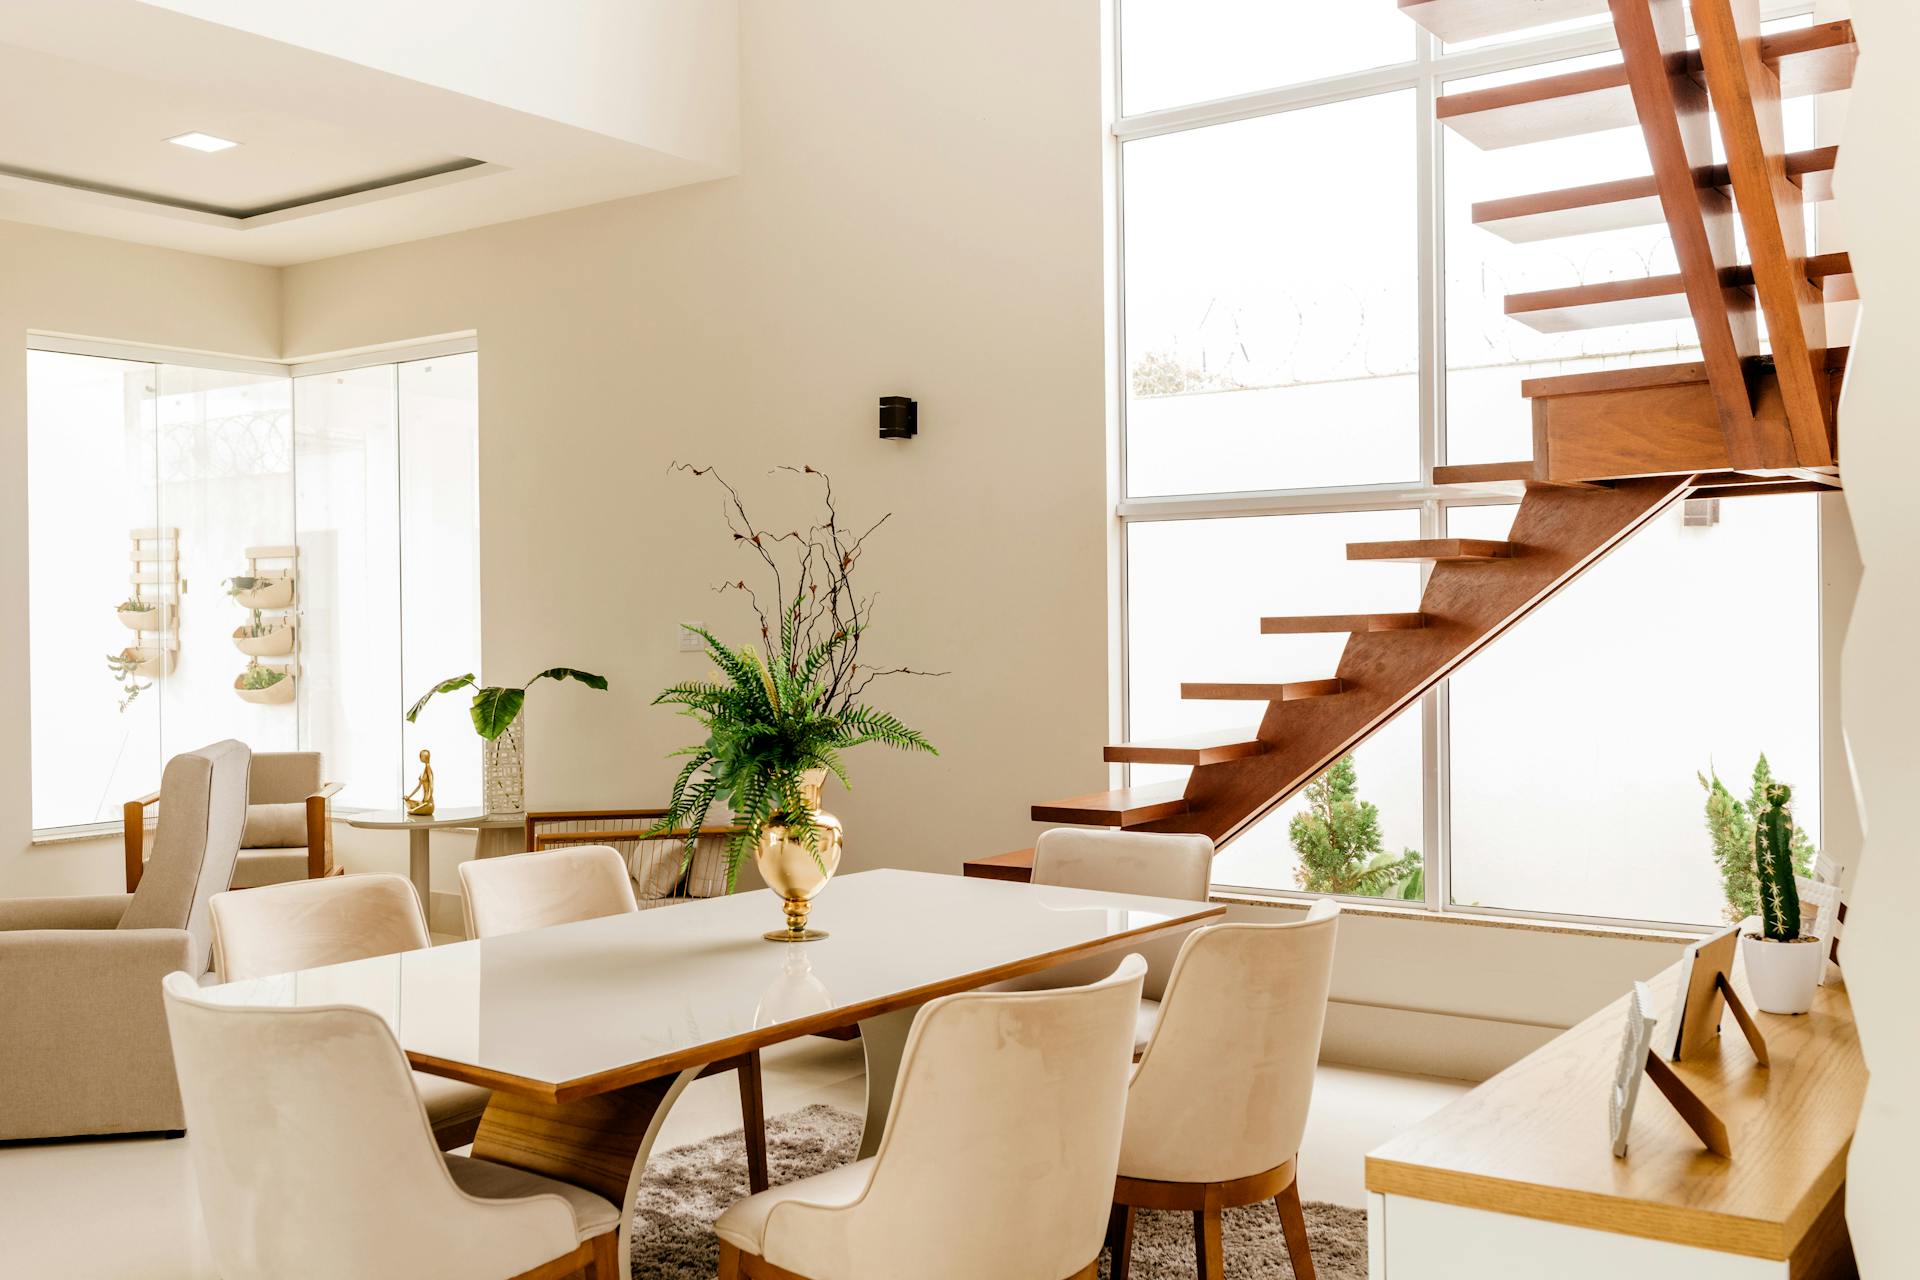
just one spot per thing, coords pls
(899, 418)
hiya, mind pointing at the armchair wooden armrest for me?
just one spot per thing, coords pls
(320, 830)
(133, 836)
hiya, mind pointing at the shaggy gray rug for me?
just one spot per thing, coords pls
(686, 1189)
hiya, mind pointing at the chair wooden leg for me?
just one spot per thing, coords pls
(729, 1261)
(753, 1118)
(1120, 1241)
(606, 1256)
(1207, 1249)
(1293, 1224)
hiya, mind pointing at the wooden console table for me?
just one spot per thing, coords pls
(1516, 1178)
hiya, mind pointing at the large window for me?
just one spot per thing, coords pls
(1310, 323)
(233, 552)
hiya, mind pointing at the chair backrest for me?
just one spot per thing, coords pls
(1143, 862)
(1000, 1148)
(533, 890)
(1223, 1088)
(313, 1155)
(303, 924)
(203, 809)
(285, 777)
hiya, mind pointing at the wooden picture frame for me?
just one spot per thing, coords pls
(1704, 990)
(1636, 1040)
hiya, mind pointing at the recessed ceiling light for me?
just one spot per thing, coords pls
(202, 142)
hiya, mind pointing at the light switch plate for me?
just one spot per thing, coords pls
(689, 642)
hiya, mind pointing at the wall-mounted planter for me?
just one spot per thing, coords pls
(272, 590)
(280, 691)
(148, 660)
(275, 642)
(143, 619)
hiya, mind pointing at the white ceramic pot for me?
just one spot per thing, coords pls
(1783, 975)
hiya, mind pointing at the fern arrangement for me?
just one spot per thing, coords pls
(791, 704)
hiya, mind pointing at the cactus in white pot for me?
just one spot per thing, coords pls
(1783, 965)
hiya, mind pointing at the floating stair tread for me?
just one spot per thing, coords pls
(1241, 691)
(1439, 550)
(1651, 298)
(1458, 20)
(1628, 202)
(1504, 473)
(1351, 623)
(1194, 749)
(1126, 807)
(1809, 60)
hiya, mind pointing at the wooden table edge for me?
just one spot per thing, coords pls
(760, 1038)
(1645, 1219)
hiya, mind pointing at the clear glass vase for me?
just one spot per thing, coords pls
(503, 770)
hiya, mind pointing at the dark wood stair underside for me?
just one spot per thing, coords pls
(1437, 550)
(1126, 807)
(1254, 691)
(1336, 623)
(1195, 749)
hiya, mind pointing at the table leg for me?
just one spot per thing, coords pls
(420, 871)
(600, 1143)
(884, 1039)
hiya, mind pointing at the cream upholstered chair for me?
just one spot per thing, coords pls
(313, 1158)
(308, 923)
(998, 1157)
(83, 1034)
(523, 891)
(1218, 1104)
(288, 834)
(1142, 862)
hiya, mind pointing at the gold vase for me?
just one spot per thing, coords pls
(795, 870)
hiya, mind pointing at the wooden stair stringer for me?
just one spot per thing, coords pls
(1560, 533)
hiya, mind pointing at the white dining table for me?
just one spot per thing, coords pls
(588, 1032)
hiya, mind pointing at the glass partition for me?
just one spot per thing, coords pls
(217, 554)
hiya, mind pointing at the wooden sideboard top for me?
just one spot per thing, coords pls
(1532, 1141)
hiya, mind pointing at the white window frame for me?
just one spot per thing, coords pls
(1425, 74)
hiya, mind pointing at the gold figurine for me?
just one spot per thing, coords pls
(422, 807)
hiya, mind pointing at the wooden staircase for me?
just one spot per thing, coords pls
(1613, 449)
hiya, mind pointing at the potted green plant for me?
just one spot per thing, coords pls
(1730, 826)
(259, 638)
(496, 718)
(138, 614)
(777, 716)
(1783, 964)
(272, 590)
(265, 685)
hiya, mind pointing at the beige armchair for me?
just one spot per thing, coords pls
(312, 1158)
(289, 829)
(83, 1034)
(998, 1158)
(1218, 1104)
(279, 928)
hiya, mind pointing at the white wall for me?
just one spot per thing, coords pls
(661, 73)
(61, 283)
(1879, 189)
(945, 245)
